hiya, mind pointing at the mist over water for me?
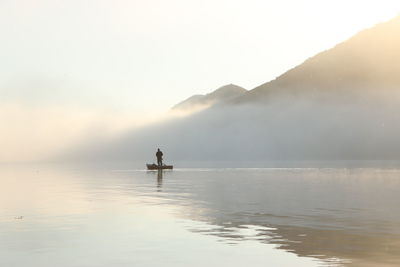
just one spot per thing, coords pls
(361, 126)
(340, 104)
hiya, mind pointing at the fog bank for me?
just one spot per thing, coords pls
(359, 126)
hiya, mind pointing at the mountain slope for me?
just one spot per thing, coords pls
(222, 94)
(369, 60)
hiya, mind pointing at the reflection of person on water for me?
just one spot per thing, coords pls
(159, 156)
(159, 180)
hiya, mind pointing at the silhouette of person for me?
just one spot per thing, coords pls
(159, 156)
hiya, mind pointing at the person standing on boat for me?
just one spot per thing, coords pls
(159, 156)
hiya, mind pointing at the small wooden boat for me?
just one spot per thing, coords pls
(156, 167)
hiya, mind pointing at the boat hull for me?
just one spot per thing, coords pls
(156, 167)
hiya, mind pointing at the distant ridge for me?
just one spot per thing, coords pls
(222, 94)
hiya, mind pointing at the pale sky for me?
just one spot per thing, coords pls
(149, 54)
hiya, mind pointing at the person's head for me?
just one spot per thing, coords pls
(158, 149)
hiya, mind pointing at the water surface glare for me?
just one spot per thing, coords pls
(68, 216)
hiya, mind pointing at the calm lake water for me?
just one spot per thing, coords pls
(74, 216)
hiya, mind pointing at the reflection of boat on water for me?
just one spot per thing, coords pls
(157, 167)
